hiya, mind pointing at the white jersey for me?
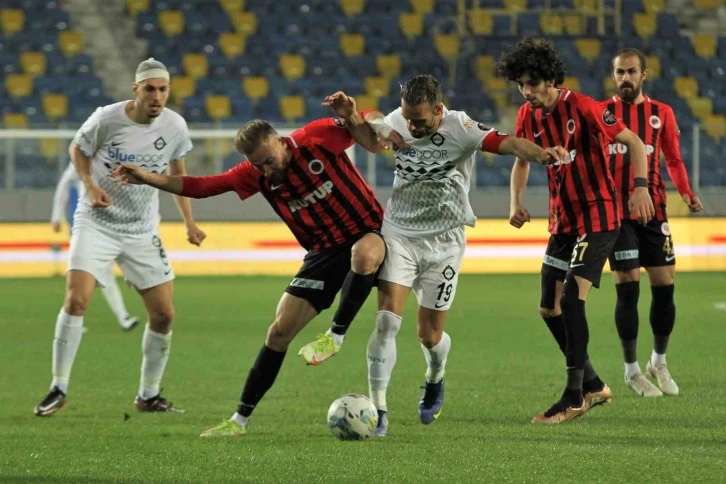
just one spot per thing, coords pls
(431, 185)
(109, 137)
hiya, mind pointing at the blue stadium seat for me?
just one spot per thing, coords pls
(502, 25)
(667, 24)
(719, 105)
(528, 24)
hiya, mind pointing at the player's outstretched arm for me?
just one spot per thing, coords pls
(385, 134)
(674, 163)
(128, 174)
(518, 215)
(526, 150)
(345, 107)
(640, 202)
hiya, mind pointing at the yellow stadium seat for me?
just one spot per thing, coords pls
(495, 84)
(686, 87)
(212, 147)
(49, 147)
(551, 24)
(422, 6)
(134, 7)
(653, 65)
(574, 24)
(195, 65)
(255, 88)
(12, 21)
(704, 45)
(19, 85)
(701, 107)
(654, 6)
(707, 4)
(365, 102)
(352, 45)
(218, 107)
(351, 7)
(55, 105)
(447, 45)
(588, 6)
(389, 65)
(71, 43)
(232, 44)
(33, 63)
(292, 107)
(15, 121)
(572, 83)
(484, 66)
(292, 66)
(715, 127)
(588, 48)
(645, 24)
(519, 5)
(377, 86)
(232, 6)
(608, 86)
(245, 23)
(481, 22)
(182, 87)
(411, 24)
(171, 22)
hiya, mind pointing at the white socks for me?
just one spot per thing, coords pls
(338, 338)
(113, 296)
(155, 348)
(657, 359)
(436, 359)
(241, 421)
(632, 369)
(382, 356)
(68, 331)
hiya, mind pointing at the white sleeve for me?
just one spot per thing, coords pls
(184, 144)
(62, 191)
(394, 115)
(472, 133)
(92, 134)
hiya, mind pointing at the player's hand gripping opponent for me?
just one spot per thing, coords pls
(342, 105)
(128, 174)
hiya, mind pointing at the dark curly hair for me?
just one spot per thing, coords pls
(537, 59)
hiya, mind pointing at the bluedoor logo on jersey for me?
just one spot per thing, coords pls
(117, 154)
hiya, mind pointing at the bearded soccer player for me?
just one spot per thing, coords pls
(317, 191)
(651, 245)
(584, 213)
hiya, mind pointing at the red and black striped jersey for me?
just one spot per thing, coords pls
(655, 124)
(324, 200)
(582, 192)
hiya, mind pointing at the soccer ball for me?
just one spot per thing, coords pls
(352, 417)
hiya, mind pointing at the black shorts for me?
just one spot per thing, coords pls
(322, 274)
(582, 256)
(649, 245)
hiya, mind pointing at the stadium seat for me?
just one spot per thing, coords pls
(518, 5)
(608, 86)
(411, 24)
(551, 24)
(134, 7)
(389, 65)
(377, 86)
(171, 22)
(231, 44)
(574, 24)
(707, 4)
(352, 45)
(572, 83)
(352, 7)
(49, 148)
(422, 6)
(55, 106)
(645, 24)
(704, 45)
(218, 107)
(715, 127)
(232, 6)
(588, 6)
(654, 6)
(195, 65)
(686, 87)
(481, 22)
(245, 23)
(292, 66)
(495, 84)
(447, 45)
(255, 88)
(589, 48)
(33, 63)
(484, 67)
(652, 63)
(70, 43)
(15, 121)
(18, 85)
(292, 108)
(701, 107)
(182, 87)
(12, 21)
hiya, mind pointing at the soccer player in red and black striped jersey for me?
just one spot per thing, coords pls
(649, 246)
(584, 214)
(317, 191)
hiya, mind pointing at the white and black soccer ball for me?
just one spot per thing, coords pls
(352, 417)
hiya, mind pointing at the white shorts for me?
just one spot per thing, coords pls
(142, 258)
(428, 265)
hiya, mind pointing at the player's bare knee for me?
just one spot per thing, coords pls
(75, 303)
(278, 338)
(546, 313)
(429, 337)
(160, 320)
(366, 257)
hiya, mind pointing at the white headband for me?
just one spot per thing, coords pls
(152, 74)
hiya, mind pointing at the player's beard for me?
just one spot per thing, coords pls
(631, 94)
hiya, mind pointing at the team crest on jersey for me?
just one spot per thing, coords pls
(468, 123)
(655, 122)
(571, 126)
(608, 118)
(159, 143)
(448, 273)
(340, 122)
(437, 139)
(316, 167)
(665, 228)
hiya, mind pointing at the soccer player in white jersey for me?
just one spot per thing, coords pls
(69, 182)
(423, 227)
(119, 223)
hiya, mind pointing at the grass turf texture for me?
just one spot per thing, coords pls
(503, 369)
